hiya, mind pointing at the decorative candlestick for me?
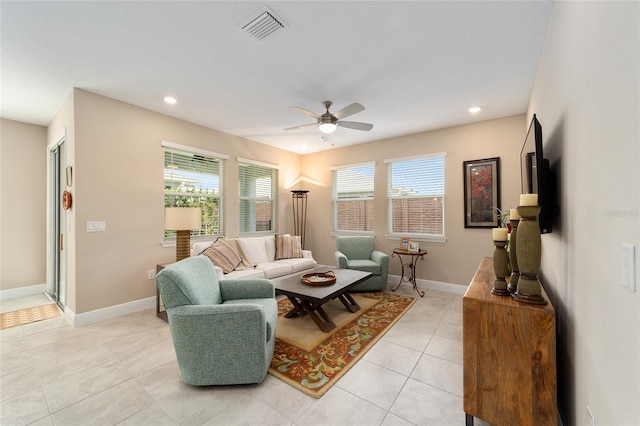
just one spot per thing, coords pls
(528, 248)
(514, 220)
(500, 262)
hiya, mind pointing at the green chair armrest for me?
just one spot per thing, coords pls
(341, 260)
(381, 259)
(250, 288)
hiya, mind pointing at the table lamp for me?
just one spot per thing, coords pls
(182, 220)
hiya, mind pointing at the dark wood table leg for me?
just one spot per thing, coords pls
(468, 420)
(348, 302)
(302, 308)
(297, 311)
(319, 316)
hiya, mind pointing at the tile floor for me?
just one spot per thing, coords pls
(123, 371)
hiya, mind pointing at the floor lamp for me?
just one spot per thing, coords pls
(182, 220)
(299, 198)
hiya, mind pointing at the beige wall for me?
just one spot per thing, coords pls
(23, 167)
(586, 96)
(118, 178)
(456, 260)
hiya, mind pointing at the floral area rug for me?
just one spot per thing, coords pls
(313, 361)
(28, 315)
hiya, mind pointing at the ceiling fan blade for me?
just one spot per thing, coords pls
(354, 108)
(355, 125)
(302, 126)
(306, 112)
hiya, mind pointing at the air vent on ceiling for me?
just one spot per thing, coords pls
(263, 25)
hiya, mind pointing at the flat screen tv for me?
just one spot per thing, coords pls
(536, 177)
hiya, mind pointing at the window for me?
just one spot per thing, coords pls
(353, 198)
(193, 178)
(415, 194)
(257, 186)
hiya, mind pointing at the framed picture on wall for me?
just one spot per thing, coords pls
(481, 193)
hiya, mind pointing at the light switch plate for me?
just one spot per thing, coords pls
(629, 266)
(96, 226)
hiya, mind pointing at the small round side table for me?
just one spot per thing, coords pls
(410, 263)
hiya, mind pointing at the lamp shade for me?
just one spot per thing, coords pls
(182, 218)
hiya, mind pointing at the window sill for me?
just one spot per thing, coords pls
(353, 233)
(418, 237)
(171, 242)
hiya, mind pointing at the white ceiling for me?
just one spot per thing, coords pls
(415, 66)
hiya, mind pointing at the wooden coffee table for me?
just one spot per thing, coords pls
(308, 299)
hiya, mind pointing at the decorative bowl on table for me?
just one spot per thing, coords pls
(319, 278)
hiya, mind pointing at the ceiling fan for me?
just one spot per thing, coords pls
(328, 122)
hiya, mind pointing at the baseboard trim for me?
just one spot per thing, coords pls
(86, 318)
(431, 285)
(22, 291)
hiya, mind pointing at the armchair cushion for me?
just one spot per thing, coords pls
(365, 265)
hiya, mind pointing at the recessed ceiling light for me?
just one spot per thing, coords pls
(475, 109)
(170, 100)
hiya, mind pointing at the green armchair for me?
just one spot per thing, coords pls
(223, 331)
(358, 253)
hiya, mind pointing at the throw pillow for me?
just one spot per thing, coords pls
(288, 246)
(222, 254)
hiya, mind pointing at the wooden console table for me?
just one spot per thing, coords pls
(509, 356)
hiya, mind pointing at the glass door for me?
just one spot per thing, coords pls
(58, 181)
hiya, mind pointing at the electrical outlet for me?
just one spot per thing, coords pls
(151, 274)
(590, 418)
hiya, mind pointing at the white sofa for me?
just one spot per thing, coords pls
(259, 259)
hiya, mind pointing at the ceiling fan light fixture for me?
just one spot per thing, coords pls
(327, 128)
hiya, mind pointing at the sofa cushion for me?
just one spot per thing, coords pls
(364, 265)
(274, 269)
(221, 254)
(243, 273)
(288, 246)
(299, 264)
(253, 249)
(270, 242)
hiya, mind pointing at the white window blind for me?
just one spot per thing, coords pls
(257, 185)
(193, 179)
(415, 194)
(353, 202)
